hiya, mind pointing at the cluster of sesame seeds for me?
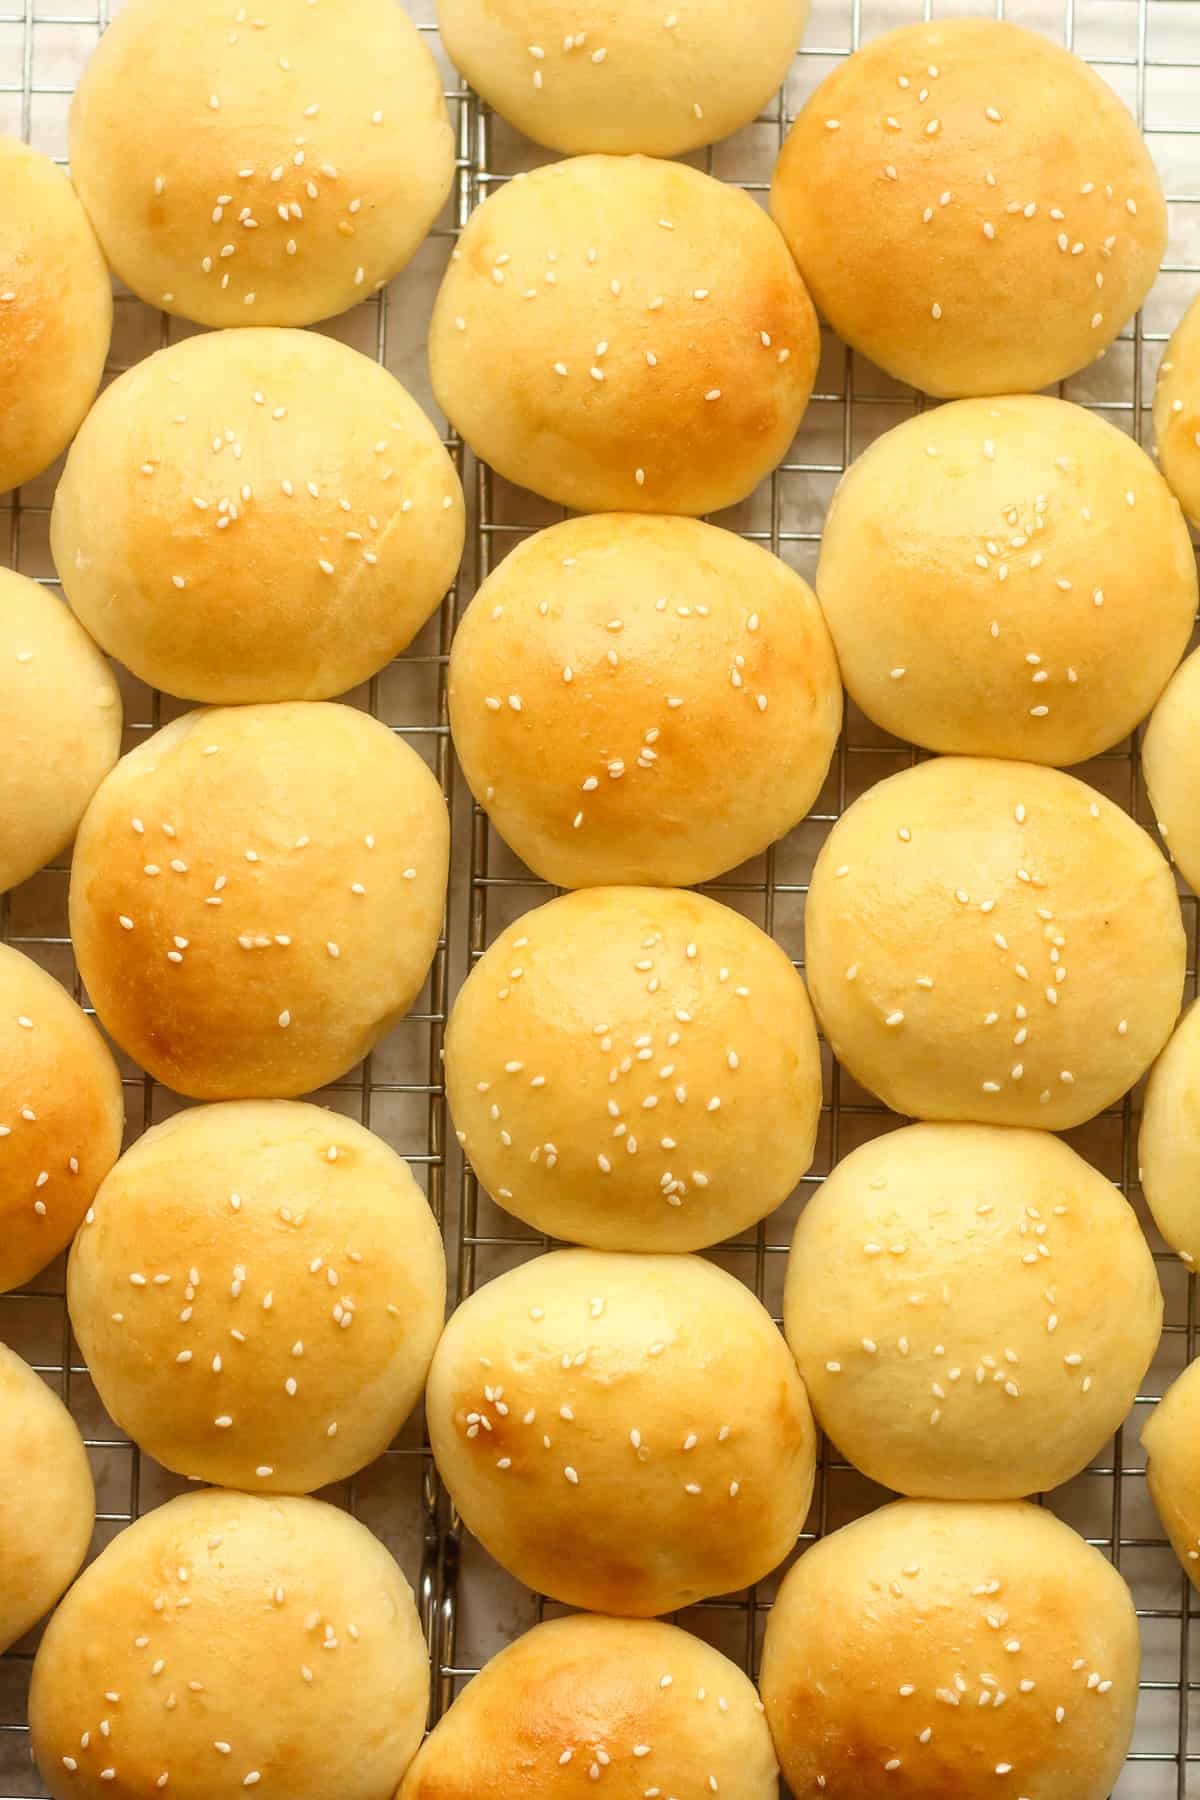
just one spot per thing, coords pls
(578, 50)
(24, 1114)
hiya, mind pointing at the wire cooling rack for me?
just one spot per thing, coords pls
(1150, 51)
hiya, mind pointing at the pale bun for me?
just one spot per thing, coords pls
(1171, 766)
(905, 156)
(257, 1294)
(941, 1650)
(289, 565)
(249, 1641)
(61, 712)
(619, 333)
(637, 79)
(972, 1310)
(635, 1069)
(1007, 577)
(1169, 1143)
(594, 674)
(623, 1433)
(634, 1703)
(260, 171)
(47, 1501)
(1177, 412)
(1171, 1440)
(993, 941)
(283, 873)
(62, 1113)
(55, 313)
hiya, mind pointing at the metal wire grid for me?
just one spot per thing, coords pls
(852, 404)
(398, 1090)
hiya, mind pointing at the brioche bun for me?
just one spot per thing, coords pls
(624, 1433)
(61, 711)
(939, 1648)
(292, 1224)
(1171, 766)
(256, 896)
(912, 149)
(261, 171)
(1171, 1440)
(291, 567)
(62, 1113)
(1007, 577)
(1177, 412)
(635, 1069)
(597, 670)
(249, 1640)
(972, 1310)
(47, 1501)
(621, 334)
(1169, 1144)
(638, 79)
(55, 313)
(634, 1700)
(947, 909)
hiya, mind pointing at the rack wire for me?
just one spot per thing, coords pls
(1150, 51)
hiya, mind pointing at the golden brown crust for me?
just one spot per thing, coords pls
(667, 1477)
(1169, 1140)
(1171, 766)
(993, 941)
(1177, 412)
(262, 171)
(238, 867)
(47, 1501)
(290, 565)
(644, 699)
(927, 1651)
(635, 1704)
(1172, 1444)
(884, 196)
(709, 338)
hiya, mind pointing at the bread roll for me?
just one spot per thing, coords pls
(290, 565)
(621, 334)
(1171, 1440)
(60, 709)
(55, 313)
(627, 1701)
(1171, 766)
(597, 668)
(635, 79)
(947, 910)
(62, 1113)
(635, 1069)
(249, 1641)
(1007, 577)
(979, 1650)
(256, 896)
(47, 1501)
(261, 170)
(1169, 1144)
(972, 1310)
(972, 206)
(594, 1419)
(213, 1292)
(1177, 412)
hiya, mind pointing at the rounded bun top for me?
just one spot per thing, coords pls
(61, 708)
(256, 896)
(633, 1702)
(993, 941)
(972, 1310)
(619, 333)
(594, 1421)
(1177, 412)
(972, 207)
(62, 1114)
(1169, 1145)
(250, 1641)
(1171, 766)
(1007, 577)
(1171, 1440)
(257, 1294)
(952, 1649)
(260, 170)
(55, 313)
(256, 515)
(47, 1501)
(595, 671)
(642, 79)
